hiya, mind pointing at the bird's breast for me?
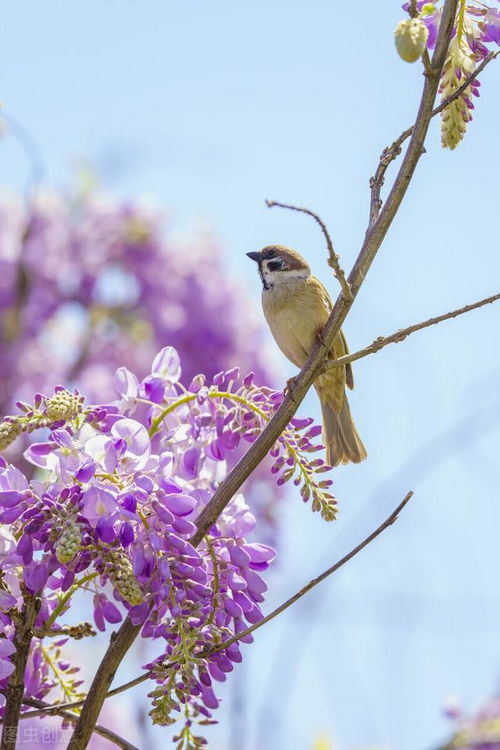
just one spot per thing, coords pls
(294, 319)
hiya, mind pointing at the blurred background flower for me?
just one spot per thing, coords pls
(89, 283)
(182, 102)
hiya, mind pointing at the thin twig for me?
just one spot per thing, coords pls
(227, 489)
(400, 335)
(42, 707)
(15, 687)
(373, 240)
(314, 582)
(279, 610)
(333, 258)
(392, 151)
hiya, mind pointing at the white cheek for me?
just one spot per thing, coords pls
(272, 278)
(297, 275)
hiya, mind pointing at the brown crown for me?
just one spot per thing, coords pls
(294, 260)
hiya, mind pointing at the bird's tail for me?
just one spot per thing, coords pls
(342, 442)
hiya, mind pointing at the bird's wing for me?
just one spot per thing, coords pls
(349, 377)
(340, 346)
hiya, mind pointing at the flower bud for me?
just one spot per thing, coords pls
(63, 405)
(68, 544)
(8, 433)
(123, 579)
(427, 9)
(411, 37)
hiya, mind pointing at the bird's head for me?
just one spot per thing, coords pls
(279, 265)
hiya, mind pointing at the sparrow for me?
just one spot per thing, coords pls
(296, 306)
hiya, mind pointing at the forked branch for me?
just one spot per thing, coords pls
(403, 333)
(391, 152)
(226, 490)
(271, 616)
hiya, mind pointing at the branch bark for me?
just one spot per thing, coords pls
(15, 687)
(391, 152)
(403, 333)
(373, 240)
(288, 603)
(42, 710)
(120, 644)
(307, 375)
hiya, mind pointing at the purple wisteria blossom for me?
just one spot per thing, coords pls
(477, 26)
(112, 513)
(89, 283)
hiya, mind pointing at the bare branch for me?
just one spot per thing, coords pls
(279, 610)
(15, 687)
(42, 707)
(373, 240)
(315, 581)
(400, 335)
(391, 152)
(314, 364)
(333, 258)
(118, 647)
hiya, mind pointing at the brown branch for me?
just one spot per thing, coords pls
(391, 152)
(373, 240)
(314, 582)
(400, 335)
(226, 490)
(333, 258)
(59, 711)
(288, 603)
(120, 644)
(15, 688)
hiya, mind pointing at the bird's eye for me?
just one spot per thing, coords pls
(276, 265)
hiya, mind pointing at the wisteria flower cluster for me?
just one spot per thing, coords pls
(112, 512)
(89, 283)
(477, 26)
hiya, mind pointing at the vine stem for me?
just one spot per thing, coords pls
(271, 616)
(375, 235)
(15, 688)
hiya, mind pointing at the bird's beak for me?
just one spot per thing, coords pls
(255, 256)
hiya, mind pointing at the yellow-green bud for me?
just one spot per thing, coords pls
(63, 405)
(123, 579)
(8, 433)
(427, 9)
(68, 544)
(411, 37)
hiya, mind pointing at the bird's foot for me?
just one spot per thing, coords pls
(288, 389)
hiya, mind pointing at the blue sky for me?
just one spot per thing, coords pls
(212, 108)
